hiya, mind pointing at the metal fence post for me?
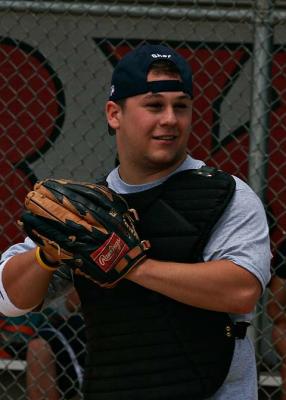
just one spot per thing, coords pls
(259, 122)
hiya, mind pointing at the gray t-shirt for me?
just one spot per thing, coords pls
(240, 235)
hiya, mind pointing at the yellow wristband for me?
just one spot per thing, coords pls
(41, 263)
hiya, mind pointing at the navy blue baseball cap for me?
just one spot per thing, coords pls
(130, 74)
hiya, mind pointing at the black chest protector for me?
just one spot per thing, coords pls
(145, 346)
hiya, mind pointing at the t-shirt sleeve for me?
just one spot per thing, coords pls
(17, 248)
(241, 235)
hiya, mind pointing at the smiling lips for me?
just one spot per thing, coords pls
(165, 137)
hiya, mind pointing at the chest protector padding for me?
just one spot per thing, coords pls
(145, 346)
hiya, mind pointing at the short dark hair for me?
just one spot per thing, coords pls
(164, 66)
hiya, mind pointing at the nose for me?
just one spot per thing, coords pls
(168, 117)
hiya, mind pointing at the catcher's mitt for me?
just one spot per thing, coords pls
(87, 226)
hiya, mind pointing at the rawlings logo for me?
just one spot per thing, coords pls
(111, 249)
(110, 253)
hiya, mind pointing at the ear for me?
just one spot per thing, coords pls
(112, 111)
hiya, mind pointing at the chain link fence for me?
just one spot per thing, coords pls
(56, 60)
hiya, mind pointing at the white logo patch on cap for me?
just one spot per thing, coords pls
(112, 90)
(157, 55)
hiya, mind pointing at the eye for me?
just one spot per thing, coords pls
(154, 104)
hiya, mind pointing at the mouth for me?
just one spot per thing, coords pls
(168, 138)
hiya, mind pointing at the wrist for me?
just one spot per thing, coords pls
(48, 259)
(44, 261)
(136, 273)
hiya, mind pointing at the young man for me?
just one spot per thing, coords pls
(175, 327)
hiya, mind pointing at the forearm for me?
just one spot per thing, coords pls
(24, 281)
(215, 285)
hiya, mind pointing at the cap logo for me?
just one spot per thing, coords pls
(112, 89)
(157, 55)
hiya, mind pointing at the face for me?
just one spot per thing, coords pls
(152, 132)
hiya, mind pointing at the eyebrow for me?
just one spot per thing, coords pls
(181, 97)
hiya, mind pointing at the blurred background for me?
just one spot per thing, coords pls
(56, 61)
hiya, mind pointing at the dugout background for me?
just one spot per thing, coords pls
(56, 60)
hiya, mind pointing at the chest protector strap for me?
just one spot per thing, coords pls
(143, 345)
